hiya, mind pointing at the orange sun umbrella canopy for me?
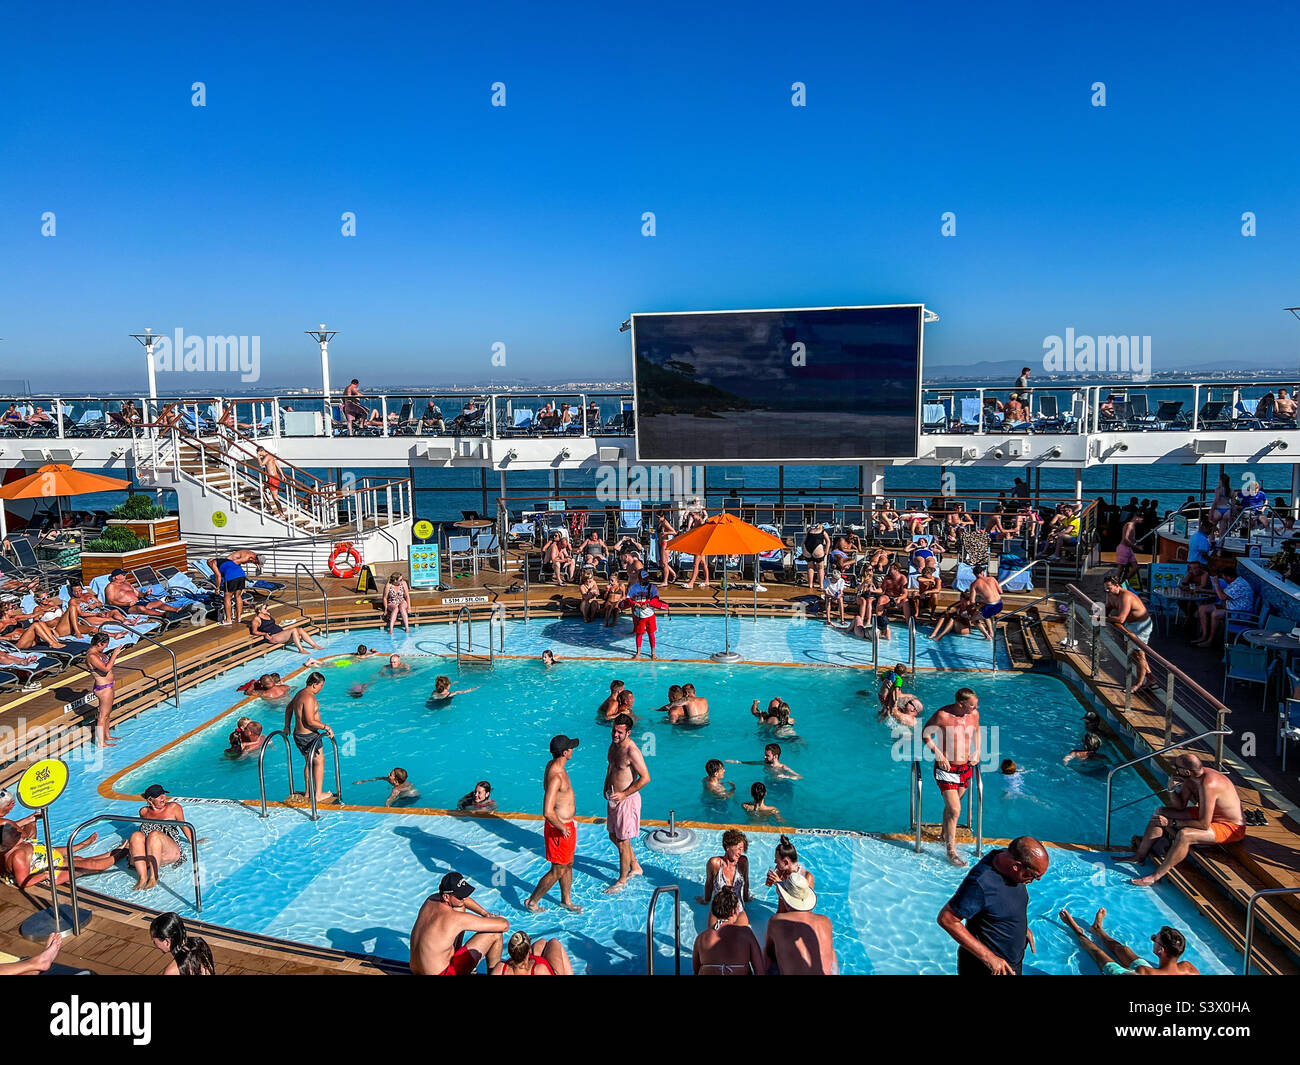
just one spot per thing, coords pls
(56, 480)
(725, 534)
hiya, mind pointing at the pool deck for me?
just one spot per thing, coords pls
(1217, 882)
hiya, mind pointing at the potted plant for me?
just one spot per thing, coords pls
(120, 548)
(142, 516)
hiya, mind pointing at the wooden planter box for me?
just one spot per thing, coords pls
(155, 531)
(98, 564)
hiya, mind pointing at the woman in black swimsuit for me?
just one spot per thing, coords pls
(264, 625)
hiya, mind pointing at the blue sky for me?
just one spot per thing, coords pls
(522, 224)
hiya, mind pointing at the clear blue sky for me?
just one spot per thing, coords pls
(522, 224)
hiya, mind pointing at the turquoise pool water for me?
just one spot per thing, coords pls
(854, 769)
(355, 880)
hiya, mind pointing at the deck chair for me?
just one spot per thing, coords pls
(1212, 416)
(970, 415)
(731, 505)
(1048, 419)
(91, 423)
(1288, 717)
(772, 561)
(523, 421)
(629, 518)
(1243, 415)
(1170, 414)
(934, 419)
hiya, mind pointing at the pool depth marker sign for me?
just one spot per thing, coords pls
(41, 784)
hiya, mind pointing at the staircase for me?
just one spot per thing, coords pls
(203, 461)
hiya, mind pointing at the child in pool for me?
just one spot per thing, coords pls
(758, 809)
(1012, 777)
(713, 785)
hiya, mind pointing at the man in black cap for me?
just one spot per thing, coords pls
(436, 940)
(561, 830)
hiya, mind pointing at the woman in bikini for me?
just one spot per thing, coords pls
(100, 660)
(696, 516)
(264, 625)
(664, 531)
(727, 947)
(729, 871)
(1222, 508)
(397, 600)
(615, 593)
(528, 957)
(590, 592)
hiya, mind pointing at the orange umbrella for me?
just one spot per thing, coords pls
(725, 534)
(56, 481)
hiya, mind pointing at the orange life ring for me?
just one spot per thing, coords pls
(344, 550)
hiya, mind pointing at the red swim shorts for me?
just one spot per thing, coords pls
(955, 777)
(640, 626)
(463, 963)
(559, 849)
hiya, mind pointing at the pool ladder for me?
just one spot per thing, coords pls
(288, 765)
(495, 617)
(677, 930)
(974, 806)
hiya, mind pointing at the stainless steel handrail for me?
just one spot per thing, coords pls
(469, 624)
(308, 782)
(261, 759)
(297, 600)
(1110, 777)
(918, 790)
(875, 645)
(1248, 946)
(134, 820)
(977, 800)
(176, 683)
(911, 644)
(677, 929)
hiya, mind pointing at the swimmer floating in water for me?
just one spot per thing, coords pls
(772, 763)
(442, 690)
(548, 659)
(395, 666)
(402, 793)
(480, 799)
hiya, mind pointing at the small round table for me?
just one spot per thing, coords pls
(1273, 641)
(474, 523)
(1176, 594)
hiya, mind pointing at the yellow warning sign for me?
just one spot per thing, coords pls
(43, 782)
(423, 530)
(219, 519)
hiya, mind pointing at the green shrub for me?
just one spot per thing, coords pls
(138, 507)
(116, 539)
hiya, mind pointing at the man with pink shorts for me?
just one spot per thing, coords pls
(624, 779)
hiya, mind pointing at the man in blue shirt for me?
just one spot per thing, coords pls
(1198, 548)
(994, 904)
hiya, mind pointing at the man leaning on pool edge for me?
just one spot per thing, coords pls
(994, 902)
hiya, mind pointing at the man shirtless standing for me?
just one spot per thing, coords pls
(303, 713)
(626, 776)
(1204, 807)
(697, 709)
(271, 467)
(561, 832)
(957, 729)
(436, 940)
(988, 597)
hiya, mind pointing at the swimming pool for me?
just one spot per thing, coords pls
(855, 771)
(356, 878)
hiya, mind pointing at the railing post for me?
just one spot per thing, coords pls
(1220, 726)
(1128, 678)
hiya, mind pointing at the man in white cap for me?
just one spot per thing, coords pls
(799, 942)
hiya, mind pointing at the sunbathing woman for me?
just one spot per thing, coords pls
(265, 626)
(591, 605)
(615, 593)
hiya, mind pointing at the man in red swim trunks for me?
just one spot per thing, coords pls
(271, 467)
(561, 831)
(437, 947)
(643, 598)
(957, 728)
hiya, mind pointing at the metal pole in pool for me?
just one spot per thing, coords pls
(50, 865)
(727, 655)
